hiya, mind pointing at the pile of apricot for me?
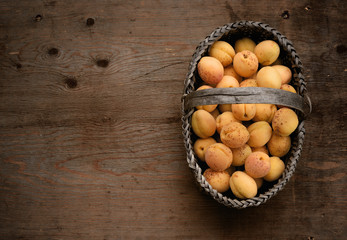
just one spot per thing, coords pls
(242, 144)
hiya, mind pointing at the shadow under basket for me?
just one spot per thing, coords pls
(300, 102)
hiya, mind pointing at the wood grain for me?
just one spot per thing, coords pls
(90, 131)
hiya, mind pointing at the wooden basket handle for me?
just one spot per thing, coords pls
(247, 95)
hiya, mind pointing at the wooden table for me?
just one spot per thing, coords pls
(90, 129)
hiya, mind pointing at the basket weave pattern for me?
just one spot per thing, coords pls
(231, 32)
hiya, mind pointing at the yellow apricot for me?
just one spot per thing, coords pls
(210, 70)
(259, 134)
(278, 145)
(267, 52)
(230, 71)
(240, 154)
(269, 77)
(228, 82)
(243, 111)
(285, 121)
(261, 149)
(285, 73)
(201, 145)
(224, 119)
(287, 87)
(276, 170)
(264, 112)
(219, 180)
(257, 164)
(244, 44)
(203, 124)
(234, 135)
(249, 83)
(245, 63)
(218, 157)
(223, 51)
(242, 185)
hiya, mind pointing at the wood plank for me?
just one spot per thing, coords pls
(90, 132)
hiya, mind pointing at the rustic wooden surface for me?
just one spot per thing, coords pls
(90, 130)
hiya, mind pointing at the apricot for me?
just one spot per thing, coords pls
(245, 63)
(242, 185)
(240, 154)
(203, 124)
(201, 145)
(269, 77)
(215, 113)
(230, 71)
(218, 157)
(243, 111)
(261, 149)
(279, 146)
(285, 121)
(276, 170)
(285, 73)
(219, 180)
(244, 44)
(264, 112)
(223, 51)
(234, 135)
(267, 52)
(249, 83)
(224, 107)
(228, 82)
(210, 70)
(287, 87)
(257, 164)
(208, 108)
(224, 119)
(259, 134)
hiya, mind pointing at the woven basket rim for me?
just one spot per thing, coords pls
(297, 144)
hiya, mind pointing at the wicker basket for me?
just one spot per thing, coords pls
(230, 33)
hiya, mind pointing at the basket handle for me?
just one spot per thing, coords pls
(247, 95)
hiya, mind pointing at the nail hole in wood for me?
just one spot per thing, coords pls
(53, 51)
(38, 18)
(307, 8)
(90, 22)
(71, 82)
(285, 14)
(102, 63)
(341, 49)
(18, 66)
